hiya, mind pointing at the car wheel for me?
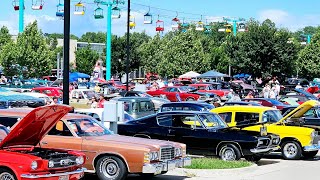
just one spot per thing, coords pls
(291, 150)
(190, 99)
(111, 168)
(7, 174)
(253, 158)
(310, 154)
(229, 152)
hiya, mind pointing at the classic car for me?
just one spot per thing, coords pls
(302, 92)
(21, 159)
(186, 106)
(204, 133)
(109, 155)
(177, 93)
(50, 91)
(267, 102)
(45, 97)
(293, 99)
(157, 101)
(241, 103)
(137, 106)
(80, 98)
(295, 141)
(118, 84)
(210, 88)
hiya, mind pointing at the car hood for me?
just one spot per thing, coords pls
(134, 141)
(300, 110)
(234, 130)
(35, 125)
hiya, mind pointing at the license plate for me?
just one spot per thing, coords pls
(66, 177)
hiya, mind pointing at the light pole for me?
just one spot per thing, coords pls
(109, 4)
(21, 16)
(66, 52)
(128, 48)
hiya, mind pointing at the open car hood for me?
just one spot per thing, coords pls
(300, 110)
(35, 125)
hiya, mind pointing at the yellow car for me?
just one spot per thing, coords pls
(295, 141)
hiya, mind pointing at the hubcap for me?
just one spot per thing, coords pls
(290, 150)
(6, 176)
(110, 168)
(228, 154)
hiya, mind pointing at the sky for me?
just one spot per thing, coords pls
(290, 14)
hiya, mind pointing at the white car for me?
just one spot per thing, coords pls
(39, 95)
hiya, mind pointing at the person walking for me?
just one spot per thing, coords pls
(266, 91)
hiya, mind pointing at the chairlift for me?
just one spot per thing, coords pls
(228, 28)
(159, 25)
(37, 4)
(175, 23)
(147, 18)
(199, 26)
(116, 13)
(60, 10)
(79, 9)
(242, 27)
(184, 26)
(15, 4)
(132, 23)
(98, 13)
(222, 27)
(207, 29)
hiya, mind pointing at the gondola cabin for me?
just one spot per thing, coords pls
(132, 23)
(147, 19)
(207, 29)
(185, 27)
(221, 27)
(79, 9)
(242, 27)
(228, 28)
(200, 26)
(175, 24)
(37, 4)
(60, 10)
(15, 4)
(159, 26)
(98, 13)
(116, 13)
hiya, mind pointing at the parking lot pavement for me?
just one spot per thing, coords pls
(271, 167)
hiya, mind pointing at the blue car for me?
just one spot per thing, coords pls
(186, 106)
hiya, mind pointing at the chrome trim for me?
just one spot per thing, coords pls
(32, 176)
(157, 168)
(313, 147)
(229, 142)
(268, 149)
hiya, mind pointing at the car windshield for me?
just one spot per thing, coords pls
(212, 121)
(185, 88)
(143, 94)
(88, 127)
(89, 94)
(275, 102)
(271, 116)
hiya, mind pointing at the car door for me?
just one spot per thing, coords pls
(311, 117)
(171, 93)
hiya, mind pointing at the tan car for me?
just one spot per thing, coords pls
(110, 156)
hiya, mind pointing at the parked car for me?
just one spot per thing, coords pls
(45, 97)
(50, 91)
(241, 103)
(293, 99)
(177, 93)
(157, 101)
(295, 141)
(186, 106)
(110, 156)
(210, 89)
(204, 133)
(119, 85)
(267, 102)
(21, 159)
(80, 98)
(137, 106)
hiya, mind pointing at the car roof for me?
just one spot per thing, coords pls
(242, 108)
(184, 112)
(131, 98)
(46, 87)
(187, 103)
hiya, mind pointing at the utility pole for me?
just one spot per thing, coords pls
(66, 51)
(128, 47)
(21, 16)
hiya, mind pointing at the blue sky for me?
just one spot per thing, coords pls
(294, 14)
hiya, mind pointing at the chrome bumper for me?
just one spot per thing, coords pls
(32, 176)
(265, 150)
(157, 168)
(313, 147)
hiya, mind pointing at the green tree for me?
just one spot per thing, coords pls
(33, 52)
(8, 57)
(93, 37)
(86, 59)
(5, 36)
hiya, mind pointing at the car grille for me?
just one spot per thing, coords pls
(166, 153)
(316, 139)
(265, 142)
(64, 162)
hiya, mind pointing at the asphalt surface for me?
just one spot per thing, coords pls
(272, 167)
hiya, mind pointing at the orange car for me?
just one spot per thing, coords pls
(110, 156)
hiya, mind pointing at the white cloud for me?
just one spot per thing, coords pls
(277, 16)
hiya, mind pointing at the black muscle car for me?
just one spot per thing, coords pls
(205, 133)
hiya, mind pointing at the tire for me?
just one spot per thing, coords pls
(7, 174)
(111, 168)
(229, 152)
(190, 99)
(310, 154)
(253, 158)
(291, 150)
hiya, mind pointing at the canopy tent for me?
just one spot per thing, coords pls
(242, 75)
(76, 75)
(212, 74)
(190, 74)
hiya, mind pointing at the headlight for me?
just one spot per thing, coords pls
(34, 165)
(276, 140)
(259, 142)
(178, 152)
(153, 156)
(50, 164)
(79, 160)
(313, 134)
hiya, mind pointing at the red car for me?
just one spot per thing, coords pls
(119, 85)
(21, 158)
(173, 93)
(50, 91)
(209, 88)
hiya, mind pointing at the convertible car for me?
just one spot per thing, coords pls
(204, 133)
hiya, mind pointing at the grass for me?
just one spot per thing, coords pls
(214, 163)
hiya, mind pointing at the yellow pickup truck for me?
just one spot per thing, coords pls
(295, 141)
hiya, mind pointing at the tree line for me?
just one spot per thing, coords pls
(262, 51)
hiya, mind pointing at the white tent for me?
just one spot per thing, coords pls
(190, 74)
